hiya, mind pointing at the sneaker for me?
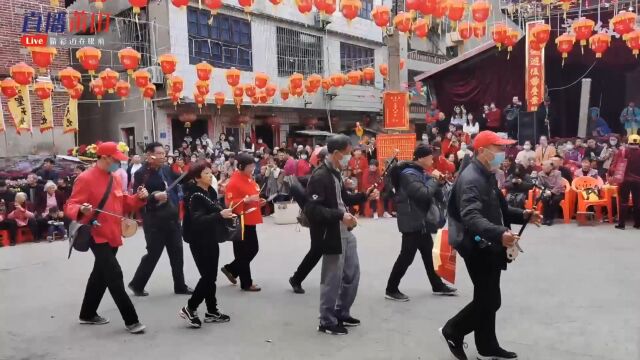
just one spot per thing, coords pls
(333, 329)
(375, 215)
(499, 354)
(297, 287)
(50, 238)
(136, 328)
(252, 288)
(396, 296)
(386, 215)
(445, 290)
(456, 347)
(137, 292)
(191, 316)
(227, 273)
(621, 227)
(216, 317)
(349, 321)
(96, 320)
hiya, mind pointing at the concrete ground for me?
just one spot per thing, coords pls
(573, 294)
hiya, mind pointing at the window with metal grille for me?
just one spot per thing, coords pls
(354, 57)
(365, 11)
(225, 43)
(298, 52)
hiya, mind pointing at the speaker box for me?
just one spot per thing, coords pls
(527, 127)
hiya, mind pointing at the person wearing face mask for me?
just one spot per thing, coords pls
(571, 154)
(88, 190)
(551, 180)
(478, 207)
(330, 225)
(607, 155)
(526, 156)
(544, 151)
(303, 168)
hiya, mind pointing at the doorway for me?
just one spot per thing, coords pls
(180, 132)
(129, 138)
(265, 132)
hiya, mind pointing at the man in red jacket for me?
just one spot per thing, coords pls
(631, 183)
(106, 233)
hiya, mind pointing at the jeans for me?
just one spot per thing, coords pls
(479, 315)
(339, 281)
(244, 251)
(106, 273)
(411, 243)
(308, 263)
(205, 255)
(629, 188)
(159, 236)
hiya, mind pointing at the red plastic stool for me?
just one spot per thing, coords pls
(4, 237)
(24, 235)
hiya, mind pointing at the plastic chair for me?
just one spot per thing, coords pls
(24, 235)
(4, 237)
(584, 182)
(565, 204)
(527, 204)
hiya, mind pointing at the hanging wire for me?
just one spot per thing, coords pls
(578, 80)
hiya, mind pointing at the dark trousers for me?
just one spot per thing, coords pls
(373, 205)
(158, 236)
(480, 315)
(205, 255)
(244, 251)
(512, 128)
(12, 227)
(412, 242)
(387, 202)
(106, 273)
(629, 188)
(308, 263)
(551, 204)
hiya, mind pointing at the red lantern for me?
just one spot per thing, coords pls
(199, 100)
(141, 78)
(541, 33)
(308, 88)
(427, 7)
(271, 90)
(326, 84)
(138, 4)
(320, 5)
(381, 15)
(599, 43)
(202, 87)
(534, 45)
(369, 74)
(456, 9)
(238, 92)
(97, 88)
(412, 5)
(583, 28)
(480, 11)
(315, 80)
(76, 92)
(564, 44)
(123, 89)
(233, 77)
(43, 89)
(421, 28)
(350, 8)
(354, 77)
(499, 34)
(384, 70)
(255, 100)
(168, 63)
(130, 59)
(109, 79)
(262, 96)
(479, 30)
(284, 94)
(246, 5)
(402, 22)
(511, 40)
(304, 6)
(69, 77)
(329, 7)
(9, 88)
(297, 92)
(250, 90)
(42, 57)
(181, 4)
(465, 30)
(149, 91)
(261, 80)
(89, 58)
(623, 23)
(176, 84)
(219, 99)
(441, 8)
(175, 98)
(203, 71)
(213, 6)
(276, 2)
(295, 80)
(337, 80)
(22, 73)
(238, 102)
(633, 41)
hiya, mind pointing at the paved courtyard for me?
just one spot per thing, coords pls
(573, 294)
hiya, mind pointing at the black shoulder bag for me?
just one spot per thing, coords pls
(227, 229)
(79, 233)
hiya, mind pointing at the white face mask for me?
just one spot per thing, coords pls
(569, 147)
(260, 141)
(303, 157)
(527, 147)
(613, 141)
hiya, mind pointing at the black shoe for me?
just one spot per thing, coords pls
(350, 321)
(96, 320)
(137, 292)
(499, 354)
(191, 316)
(621, 227)
(184, 291)
(229, 275)
(333, 329)
(456, 347)
(297, 287)
(396, 296)
(445, 290)
(216, 317)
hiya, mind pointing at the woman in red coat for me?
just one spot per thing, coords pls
(242, 194)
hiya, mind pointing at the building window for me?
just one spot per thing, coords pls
(354, 57)
(225, 43)
(365, 11)
(298, 52)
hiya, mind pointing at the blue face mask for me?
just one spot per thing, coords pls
(344, 162)
(113, 167)
(498, 158)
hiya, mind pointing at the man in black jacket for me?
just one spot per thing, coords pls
(416, 191)
(330, 225)
(483, 216)
(161, 223)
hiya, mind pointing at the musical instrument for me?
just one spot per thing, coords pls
(129, 226)
(513, 251)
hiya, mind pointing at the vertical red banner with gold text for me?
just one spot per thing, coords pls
(396, 110)
(534, 77)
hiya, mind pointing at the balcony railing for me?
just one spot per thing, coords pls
(418, 109)
(424, 56)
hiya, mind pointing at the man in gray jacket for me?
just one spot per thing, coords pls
(416, 191)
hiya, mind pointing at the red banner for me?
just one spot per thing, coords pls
(534, 78)
(396, 110)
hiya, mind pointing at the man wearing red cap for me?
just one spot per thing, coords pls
(106, 233)
(479, 221)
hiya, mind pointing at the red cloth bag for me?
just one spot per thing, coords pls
(618, 168)
(444, 256)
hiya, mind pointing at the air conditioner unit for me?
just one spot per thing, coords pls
(453, 39)
(157, 76)
(321, 20)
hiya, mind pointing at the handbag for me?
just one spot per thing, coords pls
(227, 229)
(79, 233)
(619, 169)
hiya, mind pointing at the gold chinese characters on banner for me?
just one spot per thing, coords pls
(534, 67)
(70, 119)
(396, 110)
(46, 120)
(20, 109)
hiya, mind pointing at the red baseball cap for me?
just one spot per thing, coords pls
(111, 149)
(486, 138)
